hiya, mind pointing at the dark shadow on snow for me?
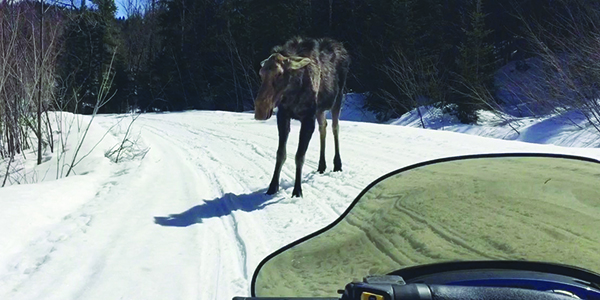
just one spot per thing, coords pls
(217, 207)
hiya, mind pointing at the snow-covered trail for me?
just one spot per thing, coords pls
(192, 221)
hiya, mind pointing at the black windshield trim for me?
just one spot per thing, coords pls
(414, 272)
(404, 169)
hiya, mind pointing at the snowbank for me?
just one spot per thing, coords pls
(523, 119)
(568, 130)
(354, 109)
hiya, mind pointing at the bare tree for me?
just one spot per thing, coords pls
(569, 48)
(26, 69)
(244, 78)
(415, 80)
(29, 53)
(27, 61)
(101, 99)
(129, 147)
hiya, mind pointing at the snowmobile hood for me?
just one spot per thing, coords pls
(498, 207)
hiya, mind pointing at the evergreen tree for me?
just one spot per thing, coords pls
(474, 83)
(80, 64)
(205, 54)
(90, 54)
(112, 58)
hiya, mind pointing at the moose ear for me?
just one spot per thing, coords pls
(262, 63)
(296, 62)
(278, 57)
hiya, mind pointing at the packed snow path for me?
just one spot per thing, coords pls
(191, 221)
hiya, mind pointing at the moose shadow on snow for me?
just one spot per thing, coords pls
(217, 207)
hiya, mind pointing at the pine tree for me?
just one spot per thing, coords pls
(474, 83)
(90, 54)
(80, 65)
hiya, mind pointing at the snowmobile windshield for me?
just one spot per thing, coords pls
(493, 207)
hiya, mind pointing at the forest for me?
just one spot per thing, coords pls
(174, 55)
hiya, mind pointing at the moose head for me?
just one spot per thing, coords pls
(277, 73)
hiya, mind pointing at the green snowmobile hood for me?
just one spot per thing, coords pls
(532, 207)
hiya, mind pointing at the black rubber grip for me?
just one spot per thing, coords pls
(447, 292)
(412, 291)
(278, 298)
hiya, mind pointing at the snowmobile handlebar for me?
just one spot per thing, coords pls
(277, 298)
(396, 289)
(419, 291)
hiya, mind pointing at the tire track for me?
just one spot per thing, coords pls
(237, 150)
(214, 167)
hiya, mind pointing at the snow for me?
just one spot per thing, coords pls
(353, 109)
(189, 220)
(569, 129)
(519, 86)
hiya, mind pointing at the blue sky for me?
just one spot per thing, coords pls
(119, 3)
(120, 10)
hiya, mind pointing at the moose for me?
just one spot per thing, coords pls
(303, 78)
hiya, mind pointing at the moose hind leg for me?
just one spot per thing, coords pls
(283, 126)
(322, 121)
(335, 126)
(306, 131)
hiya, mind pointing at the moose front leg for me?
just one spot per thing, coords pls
(322, 121)
(306, 131)
(283, 126)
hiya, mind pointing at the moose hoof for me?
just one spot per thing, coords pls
(297, 193)
(272, 189)
(337, 164)
(321, 170)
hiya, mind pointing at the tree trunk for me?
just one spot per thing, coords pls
(39, 106)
